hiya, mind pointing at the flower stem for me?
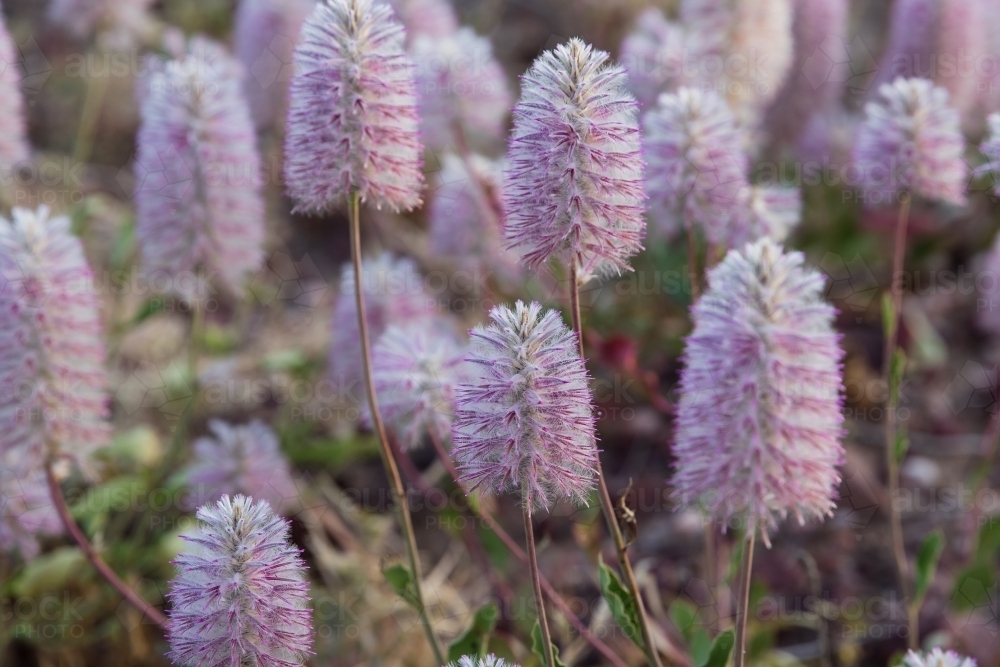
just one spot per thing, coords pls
(743, 604)
(543, 621)
(95, 559)
(405, 520)
(606, 505)
(892, 464)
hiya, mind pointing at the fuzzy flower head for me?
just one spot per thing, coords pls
(416, 369)
(761, 36)
(352, 118)
(13, 144)
(243, 459)
(773, 211)
(240, 594)
(526, 421)
(759, 421)
(653, 55)
(26, 509)
(430, 18)
(991, 149)
(395, 294)
(573, 182)
(696, 166)
(51, 343)
(911, 141)
(489, 661)
(197, 195)
(937, 658)
(461, 88)
(119, 23)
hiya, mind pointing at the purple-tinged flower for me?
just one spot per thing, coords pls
(489, 661)
(988, 312)
(118, 23)
(430, 18)
(759, 422)
(26, 509)
(525, 422)
(264, 38)
(991, 149)
(772, 212)
(708, 24)
(696, 168)
(13, 144)
(911, 141)
(197, 196)
(461, 89)
(761, 39)
(51, 344)
(394, 295)
(573, 183)
(963, 48)
(352, 117)
(828, 137)
(937, 658)
(909, 50)
(416, 368)
(653, 54)
(241, 459)
(240, 595)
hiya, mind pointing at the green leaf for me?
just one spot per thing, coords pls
(988, 542)
(683, 614)
(902, 444)
(401, 580)
(701, 646)
(927, 560)
(721, 648)
(896, 376)
(888, 315)
(475, 639)
(149, 308)
(623, 606)
(536, 647)
(972, 587)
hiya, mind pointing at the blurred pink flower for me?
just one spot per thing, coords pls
(352, 117)
(911, 141)
(13, 144)
(525, 421)
(461, 89)
(991, 149)
(963, 56)
(118, 23)
(696, 168)
(653, 54)
(489, 661)
(910, 47)
(759, 423)
(53, 384)
(430, 18)
(197, 195)
(773, 211)
(936, 658)
(573, 184)
(240, 595)
(761, 39)
(241, 459)
(26, 509)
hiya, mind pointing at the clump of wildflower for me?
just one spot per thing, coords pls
(415, 370)
(937, 658)
(241, 459)
(461, 88)
(525, 422)
(240, 594)
(696, 168)
(759, 421)
(911, 141)
(198, 197)
(352, 117)
(573, 183)
(991, 149)
(13, 144)
(51, 341)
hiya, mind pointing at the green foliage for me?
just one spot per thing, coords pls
(401, 580)
(537, 647)
(718, 655)
(927, 560)
(475, 640)
(624, 606)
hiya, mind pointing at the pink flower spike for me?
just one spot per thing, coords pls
(653, 54)
(26, 509)
(428, 18)
(240, 595)
(759, 424)
(13, 144)
(573, 185)
(525, 422)
(352, 118)
(773, 211)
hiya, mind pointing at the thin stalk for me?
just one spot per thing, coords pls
(95, 559)
(712, 571)
(93, 101)
(892, 465)
(606, 505)
(743, 604)
(403, 510)
(693, 262)
(543, 621)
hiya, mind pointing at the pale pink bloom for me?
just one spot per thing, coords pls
(461, 89)
(910, 47)
(118, 23)
(352, 117)
(26, 509)
(911, 141)
(772, 212)
(653, 54)
(573, 185)
(53, 384)
(240, 595)
(760, 56)
(241, 459)
(936, 658)
(525, 421)
(430, 18)
(759, 424)
(963, 56)
(197, 195)
(13, 144)
(489, 661)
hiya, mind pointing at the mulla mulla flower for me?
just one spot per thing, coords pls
(759, 423)
(198, 201)
(936, 658)
(245, 459)
(489, 661)
(430, 18)
(991, 149)
(352, 120)
(119, 23)
(653, 54)
(240, 594)
(13, 144)
(26, 509)
(525, 420)
(760, 37)
(772, 211)
(911, 141)
(415, 370)
(54, 398)
(573, 185)
(696, 167)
